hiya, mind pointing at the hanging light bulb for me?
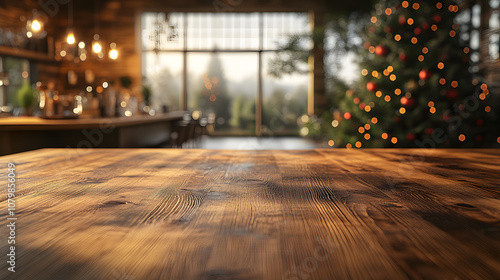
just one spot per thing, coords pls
(96, 45)
(113, 52)
(36, 25)
(70, 37)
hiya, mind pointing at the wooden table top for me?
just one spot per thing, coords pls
(36, 123)
(208, 214)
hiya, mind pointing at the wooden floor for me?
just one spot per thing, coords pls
(209, 214)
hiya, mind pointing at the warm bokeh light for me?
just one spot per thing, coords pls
(390, 68)
(484, 86)
(487, 109)
(442, 81)
(368, 126)
(453, 33)
(414, 40)
(358, 144)
(373, 19)
(482, 96)
(70, 38)
(387, 98)
(374, 120)
(378, 93)
(439, 5)
(385, 135)
(440, 65)
(331, 143)
(364, 72)
(36, 25)
(461, 137)
(402, 110)
(361, 129)
(410, 21)
(421, 58)
(335, 123)
(113, 54)
(466, 50)
(397, 37)
(434, 27)
(392, 77)
(367, 136)
(432, 110)
(416, 6)
(454, 84)
(425, 50)
(394, 140)
(371, 49)
(347, 115)
(368, 108)
(397, 91)
(388, 11)
(404, 4)
(96, 47)
(430, 104)
(348, 146)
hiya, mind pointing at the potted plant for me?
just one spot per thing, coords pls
(26, 97)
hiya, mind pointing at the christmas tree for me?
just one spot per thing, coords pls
(415, 88)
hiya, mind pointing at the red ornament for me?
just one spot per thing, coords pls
(429, 130)
(417, 31)
(452, 94)
(410, 136)
(479, 122)
(424, 74)
(437, 18)
(347, 115)
(371, 86)
(367, 45)
(402, 20)
(425, 26)
(403, 57)
(403, 100)
(362, 106)
(407, 102)
(381, 50)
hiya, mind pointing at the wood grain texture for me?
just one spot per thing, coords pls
(212, 214)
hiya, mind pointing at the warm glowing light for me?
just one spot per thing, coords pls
(373, 19)
(196, 115)
(371, 49)
(374, 120)
(390, 68)
(386, 72)
(356, 100)
(454, 84)
(81, 45)
(348, 146)
(364, 72)
(36, 25)
(83, 57)
(378, 93)
(416, 6)
(367, 126)
(392, 77)
(62, 53)
(397, 37)
(484, 86)
(482, 96)
(358, 144)
(487, 109)
(368, 108)
(128, 113)
(387, 98)
(105, 85)
(466, 50)
(96, 47)
(367, 136)
(425, 50)
(304, 131)
(442, 81)
(375, 73)
(430, 104)
(347, 115)
(335, 123)
(331, 143)
(89, 89)
(440, 65)
(113, 54)
(410, 21)
(394, 140)
(404, 4)
(397, 91)
(453, 33)
(385, 136)
(402, 110)
(70, 38)
(414, 40)
(388, 11)
(420, 58)
(461, 137)
(434, 27)
(432, 110)
(439, 5)
(213, 98)
(361, 129)
(99, 89)
(498, 140)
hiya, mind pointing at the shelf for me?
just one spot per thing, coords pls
(10, 51)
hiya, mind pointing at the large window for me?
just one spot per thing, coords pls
(217, 64)
(14, 72)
